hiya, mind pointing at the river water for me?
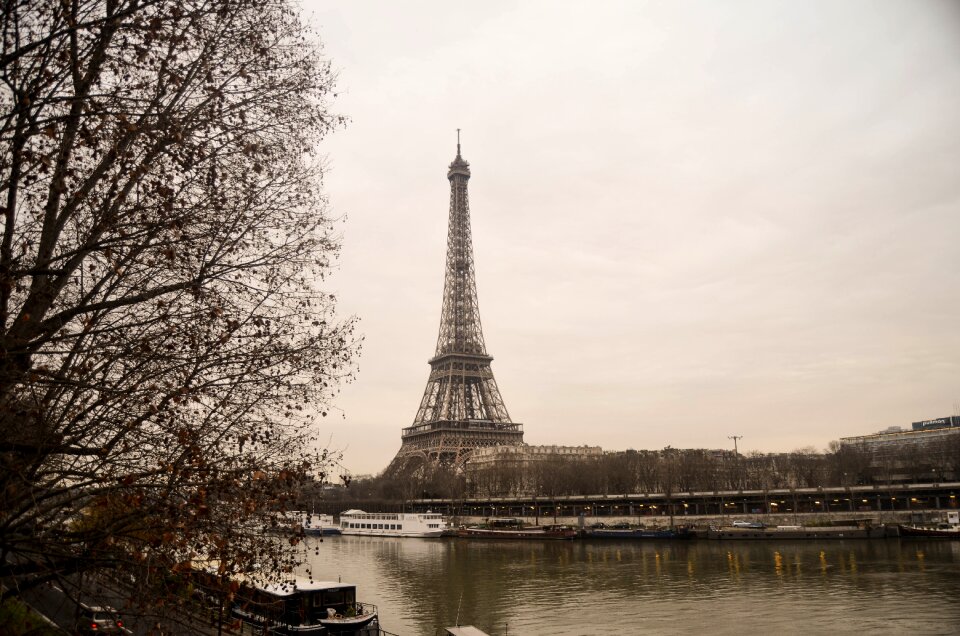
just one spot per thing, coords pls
(635, 587)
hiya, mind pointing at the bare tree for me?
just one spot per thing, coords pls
(696, 470)
(848, 464)
(647, 470)
(615, 473)
(166, 341)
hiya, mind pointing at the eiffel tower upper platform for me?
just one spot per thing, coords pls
(461, 407)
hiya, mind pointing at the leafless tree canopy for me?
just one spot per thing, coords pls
(673, 470)
(166, 340)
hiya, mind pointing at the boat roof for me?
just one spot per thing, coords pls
(353, 512)
(465, 630)
(301, 585)
(98, 609)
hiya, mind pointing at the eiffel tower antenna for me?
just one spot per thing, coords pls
(461, 408)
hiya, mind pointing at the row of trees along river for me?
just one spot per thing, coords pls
(664, 471)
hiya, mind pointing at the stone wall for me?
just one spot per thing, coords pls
(790, 519)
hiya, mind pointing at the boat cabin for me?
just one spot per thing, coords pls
(505, 523)
(302, 603)
(465, 630)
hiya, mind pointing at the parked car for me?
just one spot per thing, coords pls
(98, 620)
(747, 524)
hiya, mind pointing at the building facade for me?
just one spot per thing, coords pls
(927, 452)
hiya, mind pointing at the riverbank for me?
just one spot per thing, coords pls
(805, 519)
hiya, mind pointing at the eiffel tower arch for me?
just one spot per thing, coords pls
(461, 408)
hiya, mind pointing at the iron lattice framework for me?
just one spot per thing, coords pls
(461, 407)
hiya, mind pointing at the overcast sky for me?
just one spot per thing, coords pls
(691, 220)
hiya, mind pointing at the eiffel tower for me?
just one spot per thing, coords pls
(461, 407)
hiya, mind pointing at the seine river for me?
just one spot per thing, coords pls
(634, 587)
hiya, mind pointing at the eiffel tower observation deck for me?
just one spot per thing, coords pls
(461, 407)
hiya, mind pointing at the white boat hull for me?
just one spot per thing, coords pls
(392, 533)
(392, 524)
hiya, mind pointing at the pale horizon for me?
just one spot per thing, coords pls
(690, 220)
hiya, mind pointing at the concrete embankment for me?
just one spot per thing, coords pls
(807, 519)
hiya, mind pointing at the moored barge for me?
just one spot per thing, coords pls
(638, 533)
(940, 531)
(797, 532)
(511, 529)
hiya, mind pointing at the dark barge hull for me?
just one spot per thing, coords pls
(512, 535)
(912, 532)
(638, 534)
(806, 534)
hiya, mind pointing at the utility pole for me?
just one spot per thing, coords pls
(735, 438)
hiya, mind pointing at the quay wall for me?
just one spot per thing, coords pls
(662, 521)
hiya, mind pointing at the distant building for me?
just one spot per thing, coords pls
(901, 439)
(497, 455)
(927, 452)
(513, 470)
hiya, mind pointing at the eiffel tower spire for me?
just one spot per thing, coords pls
(461, 408)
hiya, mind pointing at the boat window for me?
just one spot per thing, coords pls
(333, 597)
(399, 526)
(316, 599)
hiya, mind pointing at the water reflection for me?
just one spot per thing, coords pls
(599, 587)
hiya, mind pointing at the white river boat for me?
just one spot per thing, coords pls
(392, 524)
